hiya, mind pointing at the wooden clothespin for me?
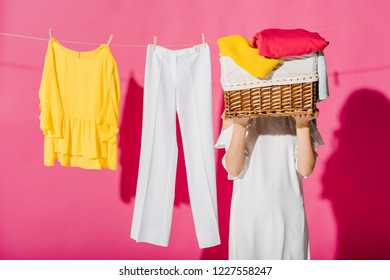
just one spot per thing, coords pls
(109, 40)
(203, 40)
(50, 33)
(154, 42)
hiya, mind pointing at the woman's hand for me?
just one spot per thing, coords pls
(235, 155)
(237, 121)
(303, 120)
(306, 159)
(241, 122)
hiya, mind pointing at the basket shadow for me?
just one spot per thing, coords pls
(356, 176)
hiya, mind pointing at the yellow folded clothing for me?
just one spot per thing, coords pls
(244, 55)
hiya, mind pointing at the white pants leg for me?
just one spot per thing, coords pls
(176, 80)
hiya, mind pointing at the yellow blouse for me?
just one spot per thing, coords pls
(79, 101)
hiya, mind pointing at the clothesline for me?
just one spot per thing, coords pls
(179, 45)
(89, 43)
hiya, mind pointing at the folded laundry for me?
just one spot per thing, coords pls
(290, 70)
(287, 42)
(323, 90)
(240, 50)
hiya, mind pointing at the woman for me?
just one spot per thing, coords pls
(267, 158)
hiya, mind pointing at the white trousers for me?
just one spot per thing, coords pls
(176, 81)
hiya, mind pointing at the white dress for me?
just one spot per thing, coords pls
(267, 216)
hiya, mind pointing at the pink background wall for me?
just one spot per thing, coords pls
(70, 213)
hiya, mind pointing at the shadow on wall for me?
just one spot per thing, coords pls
(356, 177)
(224, 195)
(130, 139)
(130, 147)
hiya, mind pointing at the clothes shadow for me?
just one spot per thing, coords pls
(356, 177)
(224, 196)
(130, 146)
(130, 139)
(181, 187)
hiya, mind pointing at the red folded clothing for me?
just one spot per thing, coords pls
(276, 43)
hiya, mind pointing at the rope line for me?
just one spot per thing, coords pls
(180, 45)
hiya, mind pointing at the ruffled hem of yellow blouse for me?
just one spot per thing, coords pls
(82, 161)
(84, 144)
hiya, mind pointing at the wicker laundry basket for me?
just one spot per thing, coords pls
(271, 101)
